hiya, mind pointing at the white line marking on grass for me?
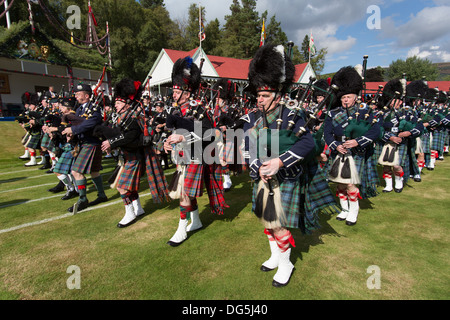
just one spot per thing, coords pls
(31, 187)
(28, 201)
(30, 224)
(11, 172)
(69, 214)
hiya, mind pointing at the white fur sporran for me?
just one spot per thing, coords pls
(278, 217)
(178, 189)
(389, 155)
(121, 164)
(340, 162)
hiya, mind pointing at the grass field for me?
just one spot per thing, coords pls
(404, 235)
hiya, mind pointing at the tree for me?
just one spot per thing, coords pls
(242, 30)
(375, 75)
(274, 32)
(151, 4)
(211, 44)
(414, 67)
(305, 49)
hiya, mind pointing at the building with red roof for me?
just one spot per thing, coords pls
(214, 67)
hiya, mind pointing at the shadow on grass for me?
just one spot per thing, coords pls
(12, 179)
(304, 241)
(12, 203)
(237, 199)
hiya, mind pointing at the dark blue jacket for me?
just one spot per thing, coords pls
(85, 129)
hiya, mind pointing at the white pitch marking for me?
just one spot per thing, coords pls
(30, 224)
(31, 187)
(69, 214)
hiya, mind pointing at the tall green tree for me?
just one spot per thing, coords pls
(211, 45)
(242, 30)
(151, 4)
(414, 67)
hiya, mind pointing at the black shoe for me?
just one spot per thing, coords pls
(77, 207)
(265, 269)
(175, 244)
(98, 200)
(70, 195)
(49, 171)
(58, 188)
(127, 224)
(398, 190)
(45, 166)
(276, 284)
(350, 223)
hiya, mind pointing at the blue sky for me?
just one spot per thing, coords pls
(406, 27)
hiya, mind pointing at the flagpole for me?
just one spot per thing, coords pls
(200, 28)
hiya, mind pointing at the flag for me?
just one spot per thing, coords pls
(263, 35)
(201, 34)
(312, 47)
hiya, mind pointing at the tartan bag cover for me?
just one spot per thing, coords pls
(155, 175)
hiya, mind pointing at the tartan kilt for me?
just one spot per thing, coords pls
(132, 172)
(438, 141)
(45, 141)
(65, 161)
(155, 175)
(89, 159)
(377, 149)
(34, 141)
(366, 164)
(426, 142)
(193, 181)
(211, 175)
(404, 152)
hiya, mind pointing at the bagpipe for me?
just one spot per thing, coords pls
(115, 124)
(23, 117)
